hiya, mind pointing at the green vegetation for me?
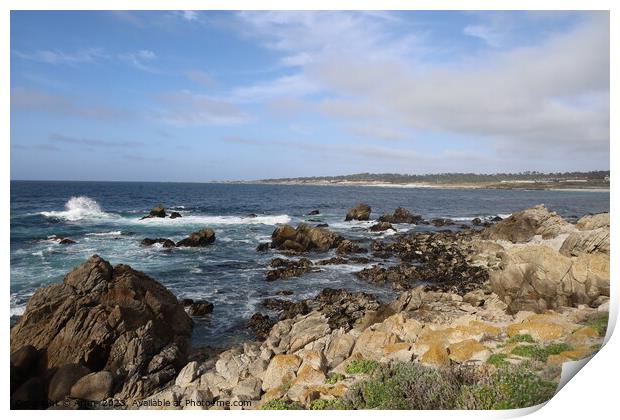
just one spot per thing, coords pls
(498, 359)
(361, 366)
(279, 404)
(335, 404)
(521, 338)
(599, 323)
(334, 377)
(541, 353)
(534, 179)
(507, 389)
(413, 386)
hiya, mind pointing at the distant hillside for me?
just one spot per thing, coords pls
(531, 179)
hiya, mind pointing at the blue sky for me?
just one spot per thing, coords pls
(200, 96)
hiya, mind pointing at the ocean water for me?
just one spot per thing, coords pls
(103, 217)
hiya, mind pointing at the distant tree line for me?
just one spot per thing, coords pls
(453, 178)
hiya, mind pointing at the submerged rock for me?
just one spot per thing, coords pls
(108, 318)
(382, 227)
(201, 238)
(314, 213)
(197, 307)
(360, 212)
(175, 214)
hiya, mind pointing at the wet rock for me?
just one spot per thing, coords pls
(284, 292)
(349, 247)
(401, 215)
(67, 241)
(333, 261)
(476, 221)
(360, 212)
(260, 325)
(199, 308)
(314, 213)
(166, 243)
(440, 222)
(497, 219)
(382, 227)
(175, 214)
(201, 238)
(283, 268)
(108, 318)
(263, 247)
(322, 225)
(158, 211)
(251, 215)
(304, 238)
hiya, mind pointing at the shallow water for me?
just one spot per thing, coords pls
(103, 217)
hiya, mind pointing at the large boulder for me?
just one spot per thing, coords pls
(524, 225)
(108, 318)
(588, 242)
(593, 221)
(203, 237)
(537, 278)
(359, 212)
(304, 238)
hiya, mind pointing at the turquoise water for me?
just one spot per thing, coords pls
(103, 217)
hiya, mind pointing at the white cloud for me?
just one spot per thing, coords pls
(139, 60)
(188, 108)
(58, 57)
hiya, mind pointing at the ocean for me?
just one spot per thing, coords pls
(103, 217)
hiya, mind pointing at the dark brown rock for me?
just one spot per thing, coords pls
(382, 227)
(158, 211)
(263, 247)
(283, 268)
(349, 247)
(304, 238)
(199, 308)
(442, 222)
(117, 319)
(67, 241)
(64, 378)
(175, 214)
(401, 215)
(360, 212)
(93, 387)
(314, 213)
(260, 325)
(201, 238)
(166, 243)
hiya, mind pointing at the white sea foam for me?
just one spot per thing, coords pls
(18, 310)
(112, 233)
(218, 220)
(79, 208)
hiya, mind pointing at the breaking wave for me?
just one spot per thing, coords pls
(78, 208)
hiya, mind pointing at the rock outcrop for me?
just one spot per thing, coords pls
(401, 215)
(304, 238)
(537, 278)
(201, 238)
(524, 225)
(382, 227)
(360, 212)
(165, 242)
(158, 211)
(106, 319)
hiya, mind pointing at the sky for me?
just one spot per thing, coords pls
(207, 96)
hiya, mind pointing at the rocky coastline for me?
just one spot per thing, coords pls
(504, 300)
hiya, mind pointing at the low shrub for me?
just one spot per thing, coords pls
(279, 404)
(413, 386)
(520, 338)
(541, 353)
(599, 323)
(507, 389)
(361, 366)
(334, 377)
(335, 404)
(498, 359)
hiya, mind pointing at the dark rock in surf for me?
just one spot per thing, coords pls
(497, 219)
(401, 215)
(349, 247)
(313, 213)
(67, 241)
(175, 214)
(476, 221)
(251, 215)
(201, 238)
(166, 243)
(199, 308)
(263, 247)
(322, 225)
(382, 227)
(360, 212)
(283, 268)
(440, 222)
(158, 211)
(260, 325)
(304, 238)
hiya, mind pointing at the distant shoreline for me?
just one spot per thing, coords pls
(546, 187)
